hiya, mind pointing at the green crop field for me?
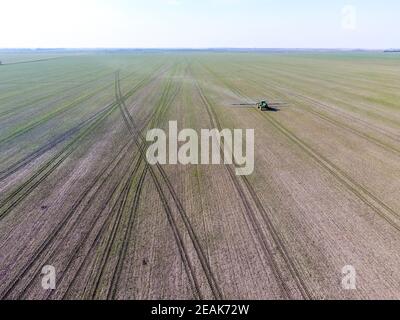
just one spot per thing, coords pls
(77, 193)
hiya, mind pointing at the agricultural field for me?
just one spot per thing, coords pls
(77, 193)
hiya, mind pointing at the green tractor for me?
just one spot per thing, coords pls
(263, 105)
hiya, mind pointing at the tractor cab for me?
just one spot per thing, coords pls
(263, 105)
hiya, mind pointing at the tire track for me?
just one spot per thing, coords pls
(95, 242)
(11, 201)
(254, 222)
(34, 124)
(128, 234)
(95, 219)
(69, 107)
(342, 125)
(61, 138)
(194, 239)
(127, 189)
(375, 107)
(93, 222)
(45, 244)
(113, 234)
(42, 150)
(102, 230)
(88, 286)
(177, 235)
(99, 234)
(377, 205)
(68, 217)
(113, 164)
(21, 192)
(335, 110)
(65, 90)
(32, 61)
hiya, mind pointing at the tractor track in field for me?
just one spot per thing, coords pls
(255, 224)
(106, 222)
(61, 138)
(326, 118)
(42, 150)
(45, 244)
(50, 166)
(91, 292)
(377, 205)
(31, 61)
(93, 222)
(39, 99)
(68, 107)
(177, 235)
(360, 81)
(342, 125)
(93, 288)
(347, 116)
(287, 75)
(16, 109)
(358, 190)
(34, 124)
(104, 258)
(101, 232)
(103, 227)
(216, 291)
(121, 257)
(17, 195)
(127, 236)
(95, 241)
(114, 163)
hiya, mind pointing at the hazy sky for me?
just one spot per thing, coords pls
(200, 23)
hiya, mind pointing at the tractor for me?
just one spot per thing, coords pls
(262, 105)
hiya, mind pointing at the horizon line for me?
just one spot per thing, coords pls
(195, 48)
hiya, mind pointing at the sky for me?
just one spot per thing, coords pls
(368, 24)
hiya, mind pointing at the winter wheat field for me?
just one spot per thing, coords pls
(77, 193)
